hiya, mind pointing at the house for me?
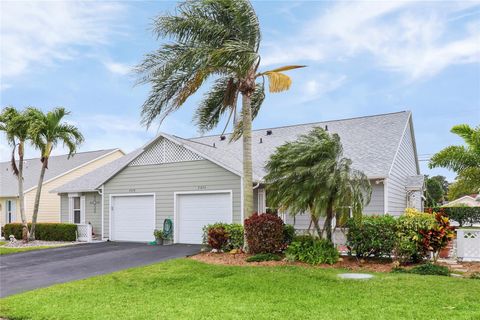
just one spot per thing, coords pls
(61, 169)
(197, 181)
(472, 200)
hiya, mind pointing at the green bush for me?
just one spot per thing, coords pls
(234, 231)
(465, 216)
(44, 231)
(288, 234)
(425, 269)
(371, 236)
(409, 246)
(475, 275)
(259, 257)
(312, 250)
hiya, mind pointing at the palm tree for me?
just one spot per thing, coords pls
(211, 39)
(459, 158)
(311, 175)
(463, 160)
(46, 131)
(16, 125)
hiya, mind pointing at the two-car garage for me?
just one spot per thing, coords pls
(133, 216)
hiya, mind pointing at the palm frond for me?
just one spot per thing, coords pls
(278, 81)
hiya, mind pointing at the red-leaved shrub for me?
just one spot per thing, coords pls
(217, 237)
(264, 233)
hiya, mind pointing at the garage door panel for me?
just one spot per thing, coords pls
(133, 218)
(194, 211)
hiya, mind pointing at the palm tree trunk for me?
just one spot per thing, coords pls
(247, 156)
(328, 221)
(21, 197)
(37, 198)
(317, 226)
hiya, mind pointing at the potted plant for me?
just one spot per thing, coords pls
(159, 236)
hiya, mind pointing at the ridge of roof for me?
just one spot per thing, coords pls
(307, 124)
(66, 154)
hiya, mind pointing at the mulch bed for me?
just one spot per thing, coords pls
(36, 243)
(349, 263)
(346, 262)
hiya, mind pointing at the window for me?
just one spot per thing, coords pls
(76, 210)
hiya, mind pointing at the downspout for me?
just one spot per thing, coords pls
(100, 192)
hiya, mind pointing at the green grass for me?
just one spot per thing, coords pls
(2, 243)
(6, 250)
(188, 289)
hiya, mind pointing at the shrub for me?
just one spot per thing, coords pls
(475, 275)
(259, 257)
(288, 234)
(44, 231)
(217, 238)
(408, 246)
(430, 269)
(437, 236)
(465, 216)
(371, 236)
(264, 233)
(312, 250)
(235, 235)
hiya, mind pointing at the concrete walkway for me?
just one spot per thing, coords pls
(25, 271)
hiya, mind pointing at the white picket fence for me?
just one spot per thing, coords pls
(468, 244)
(84, 232)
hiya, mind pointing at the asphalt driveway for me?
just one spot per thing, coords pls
(36, 269)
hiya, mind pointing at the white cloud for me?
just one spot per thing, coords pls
(40, 33)
(118, 68)
(321, 84)
(414, 38)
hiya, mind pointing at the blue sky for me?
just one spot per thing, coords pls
(363, 58)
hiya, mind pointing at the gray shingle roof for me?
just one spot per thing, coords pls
(57, 165)
(370, 142)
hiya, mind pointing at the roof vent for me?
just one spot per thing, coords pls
(261, 140)
(222, 138)
(269, 132)
(326, 128)
(214, 145)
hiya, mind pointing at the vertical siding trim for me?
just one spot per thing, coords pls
(242, 214)
(385, 196)
(103, 209)
(400, 144)
(175, 222)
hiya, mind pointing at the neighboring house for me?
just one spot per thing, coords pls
(472, 200)
(61, 169)
(198, 181)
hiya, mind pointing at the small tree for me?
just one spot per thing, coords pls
(46, 131)
(16, 126)
(311, 175)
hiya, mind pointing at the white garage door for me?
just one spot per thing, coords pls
(194, 211)
(133, 218)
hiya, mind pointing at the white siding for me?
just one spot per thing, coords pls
(404, 165)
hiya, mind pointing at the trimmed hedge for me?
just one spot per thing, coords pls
(371, 236)
(44, 231)
(234, 233)
(463, 215)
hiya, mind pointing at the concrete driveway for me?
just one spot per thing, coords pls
(25, 271)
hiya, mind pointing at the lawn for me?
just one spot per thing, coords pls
(6, 250)
(188, 289)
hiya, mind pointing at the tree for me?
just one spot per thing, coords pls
(46, 131)
(434, 192)
(16, 126)
(216, 40)
(464, 160)
(311, 175)
(443, 182)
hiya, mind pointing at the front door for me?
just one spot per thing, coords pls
(11, 210)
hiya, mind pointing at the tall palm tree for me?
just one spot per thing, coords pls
(211, 39)
(311, 175)
(459, 158)
(16, 126)
(47, 130)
